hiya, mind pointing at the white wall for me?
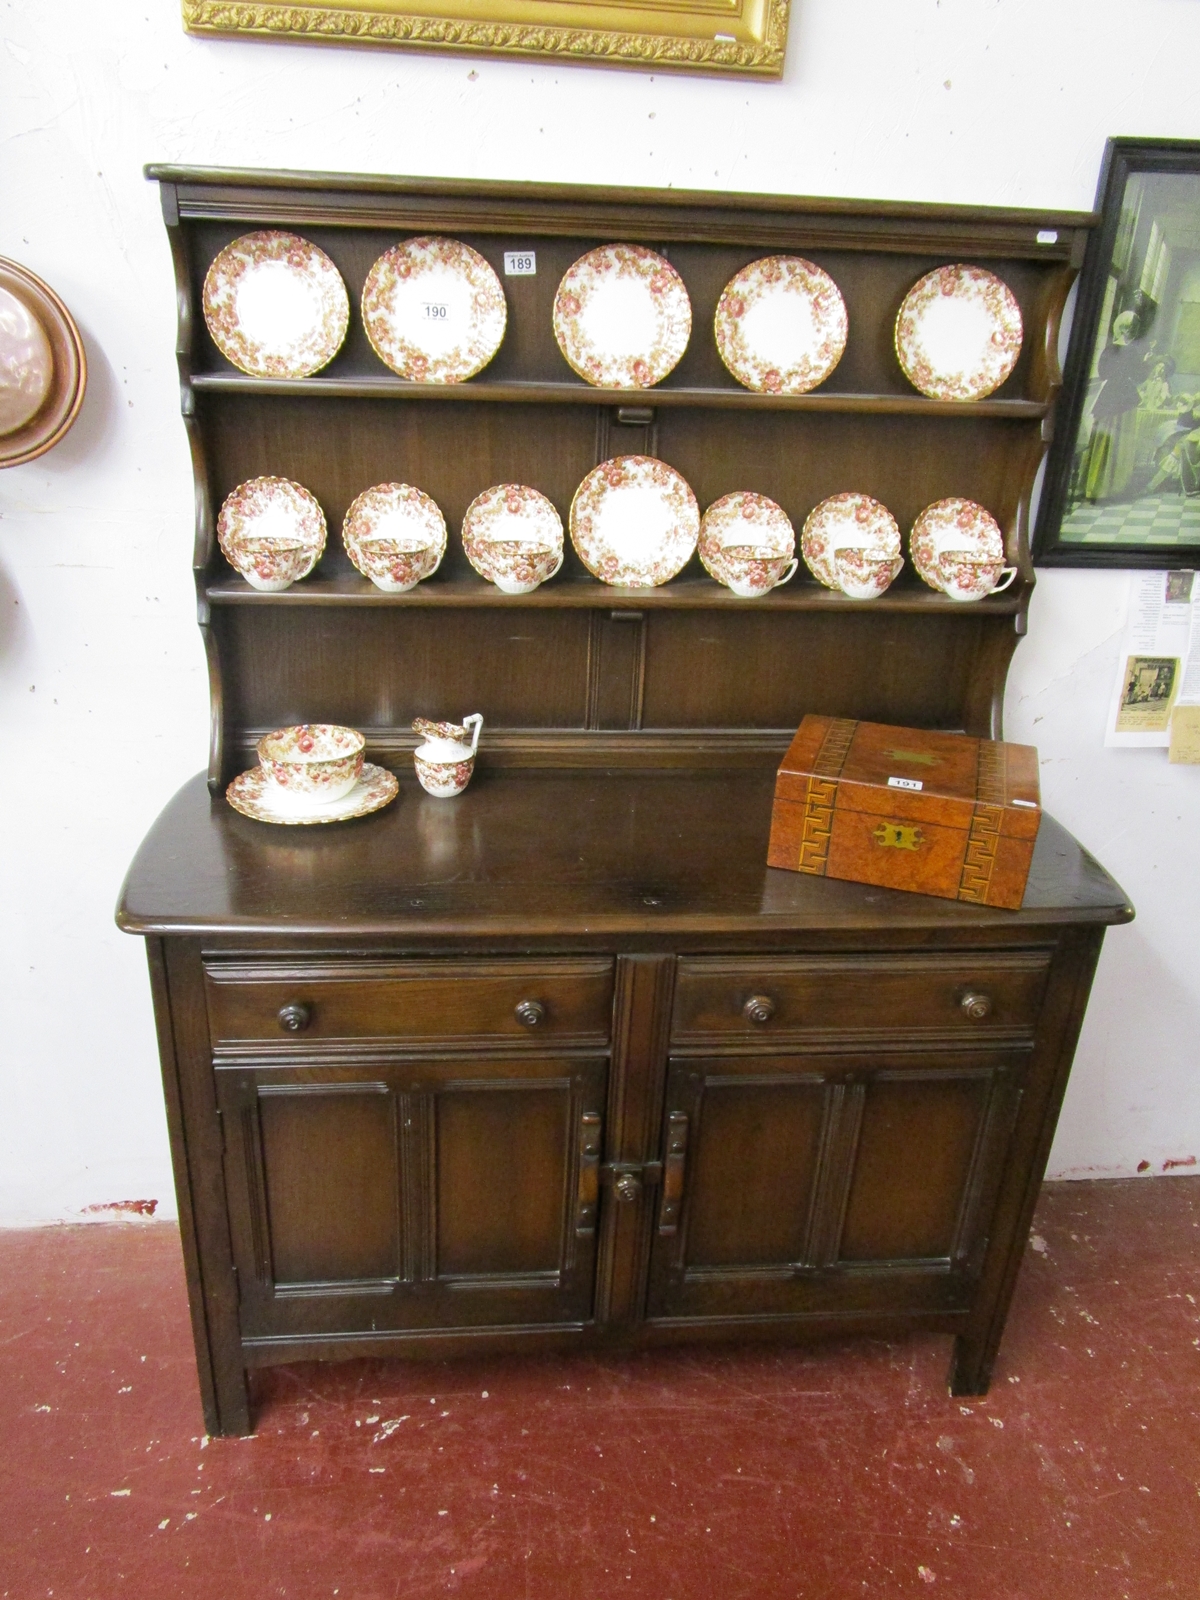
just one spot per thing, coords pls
(102, 695)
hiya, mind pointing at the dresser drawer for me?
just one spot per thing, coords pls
(410, 1003)
(718, 1000)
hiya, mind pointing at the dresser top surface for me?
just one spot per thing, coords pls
(562, 854)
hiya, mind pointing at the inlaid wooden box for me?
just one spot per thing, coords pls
(907, 808)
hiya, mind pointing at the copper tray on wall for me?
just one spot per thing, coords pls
(61, 406)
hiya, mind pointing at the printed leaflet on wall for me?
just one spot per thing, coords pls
(1156, 696)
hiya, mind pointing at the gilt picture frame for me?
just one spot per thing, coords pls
(1122, 484)
(738, 37)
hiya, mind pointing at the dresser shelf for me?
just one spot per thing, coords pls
(382, 387)
(579, 593)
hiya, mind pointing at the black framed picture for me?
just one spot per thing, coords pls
(1122, 486)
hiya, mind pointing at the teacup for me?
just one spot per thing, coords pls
(864, 572)
(268, 561)
(446, 758)
(748, 569)
(515, 566)
(963, 575)
(395, 562)
(313, 761)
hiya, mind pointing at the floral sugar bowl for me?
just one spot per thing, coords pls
(446, 759)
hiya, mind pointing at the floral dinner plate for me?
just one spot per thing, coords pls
(958, 334)
(634, 522)
(256, 795)
(434, 310)
(275, 305)
(781, 325)
(622, 317)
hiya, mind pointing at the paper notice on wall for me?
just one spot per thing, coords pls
(1156, 658)
(1185, 735)
(1185, 716)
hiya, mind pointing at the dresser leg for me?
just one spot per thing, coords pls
(227, 1405)
(970, 1365)
(193, 1124)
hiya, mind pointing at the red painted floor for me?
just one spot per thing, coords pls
(836, 1472)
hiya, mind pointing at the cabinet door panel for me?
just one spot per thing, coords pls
(756, 1127)
(818, 1184)
(915, 1149)
(752, 1173)
(329, 1172)
(502, 1159)
(421, 1200)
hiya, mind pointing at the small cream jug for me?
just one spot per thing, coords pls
(446, 759)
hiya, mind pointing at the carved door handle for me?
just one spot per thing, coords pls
(673, 1164)
(759, 1008)
(531, 1013)
(976, 1005)
(295, 1017)
(588, 1189)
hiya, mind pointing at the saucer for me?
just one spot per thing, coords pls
(256, 795)
(622, 317)
(405, 515)
(634, 522)
(846, 520)
(275, 305)
(958, 334)
(781, 325)
(271, 509)
(434, 310)
(751, 523)
(513, 537)
(953, 524)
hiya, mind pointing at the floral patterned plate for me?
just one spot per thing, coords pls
(622, 317)
(953, 525)
(781, 325)
(958, 334)
(634, 522)
(846, 521)
(270, 512)
(275, 305)
(434, 310)
(395, 535)
(256, 795)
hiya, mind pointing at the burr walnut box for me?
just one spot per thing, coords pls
(907, 808)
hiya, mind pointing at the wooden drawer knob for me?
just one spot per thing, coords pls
(295, 1017)
(531, 1013)
(976, 1005)
(759, 1008)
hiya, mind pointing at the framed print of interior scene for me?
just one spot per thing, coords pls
(1123, 478)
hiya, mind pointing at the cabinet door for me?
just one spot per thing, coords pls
(817, 1184)
(432, 1195)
